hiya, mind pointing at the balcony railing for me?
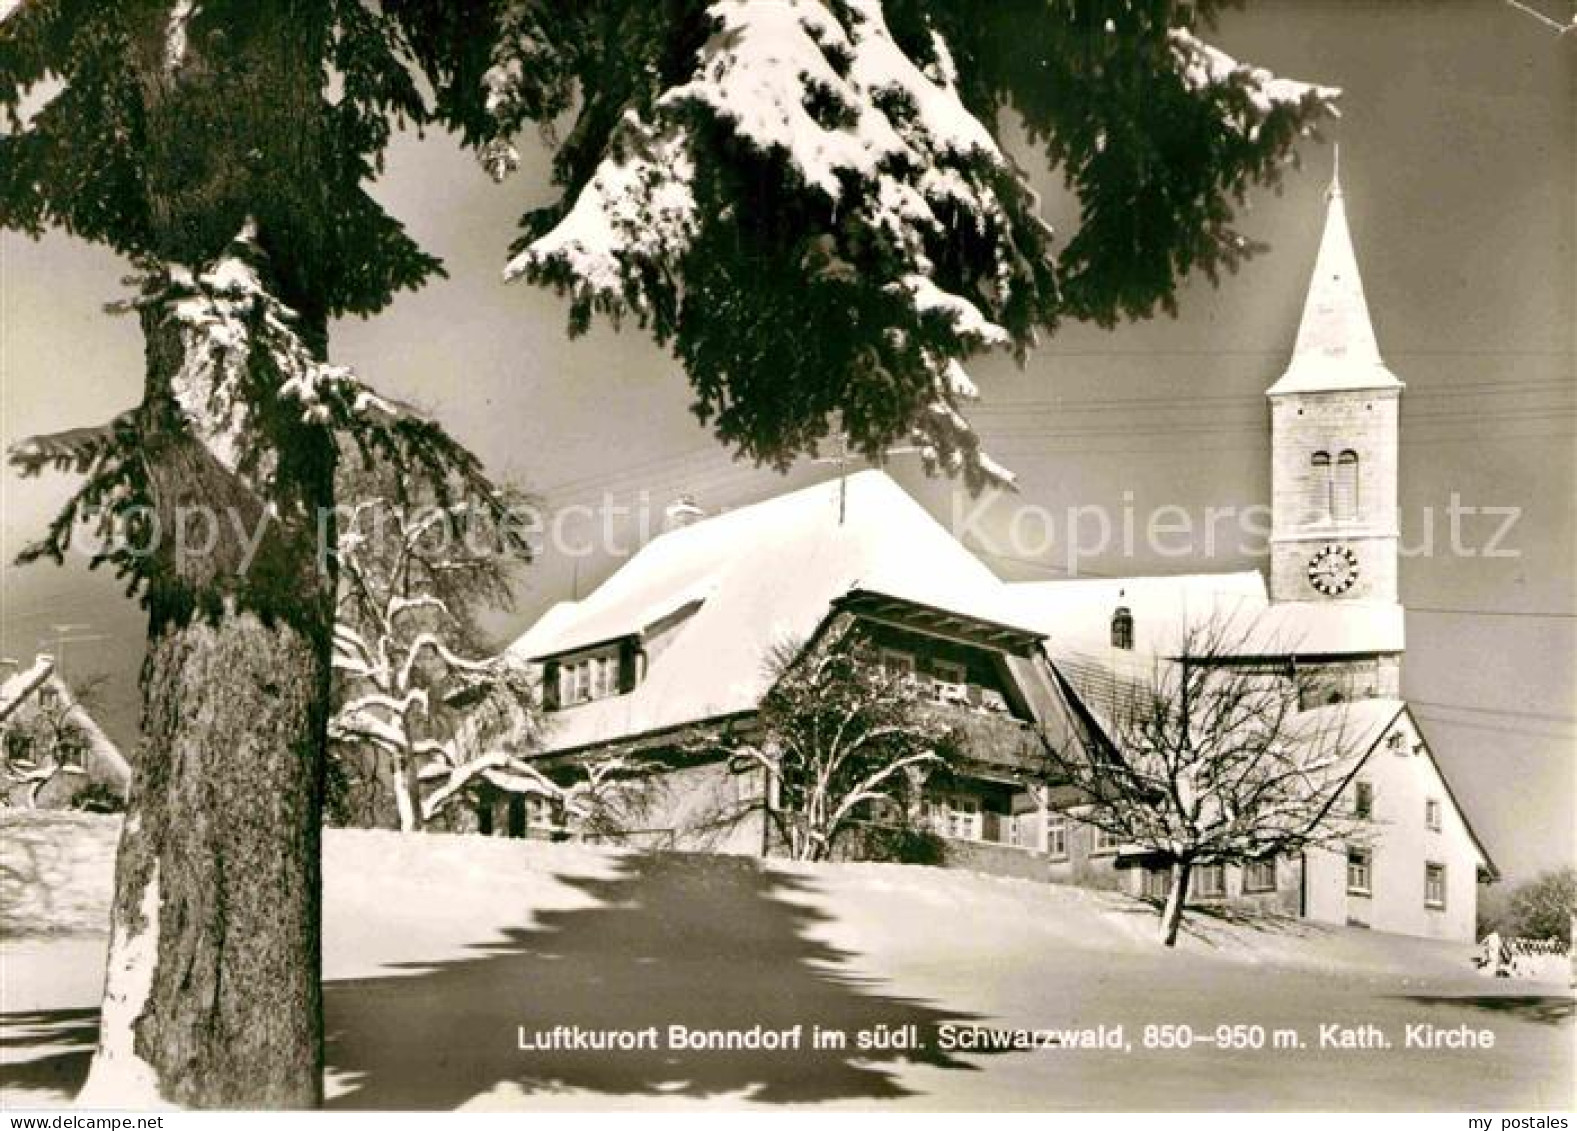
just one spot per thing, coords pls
(994, 739)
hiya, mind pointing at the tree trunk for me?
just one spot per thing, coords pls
(1172, 913)
(212, 996)
(407, 797)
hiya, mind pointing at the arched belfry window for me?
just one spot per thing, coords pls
(1344, 504)
(1320, 487)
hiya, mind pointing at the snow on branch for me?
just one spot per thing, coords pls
(242, 358)
(877, 141)
(1204, 67)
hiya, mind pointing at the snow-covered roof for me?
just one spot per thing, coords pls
(1078, 611)
(1233, 608)
(762, 574)
(546, 628)
(25, 684)
(1336, 348)
(1360, 723)
(1111, 683)
(1323, 628)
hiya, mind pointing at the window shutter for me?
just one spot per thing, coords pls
(627, 661)
(550, 686)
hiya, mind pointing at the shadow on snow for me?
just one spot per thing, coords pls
(707, 943)
(1544, 1009)
(64, 1037)
(704, 942)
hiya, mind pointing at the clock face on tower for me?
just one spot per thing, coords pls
(1333, 569)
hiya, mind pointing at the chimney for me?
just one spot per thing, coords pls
(681, 512)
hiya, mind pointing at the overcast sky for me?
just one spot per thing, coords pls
(1461, 185)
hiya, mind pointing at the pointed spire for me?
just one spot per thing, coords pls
(1336, 347)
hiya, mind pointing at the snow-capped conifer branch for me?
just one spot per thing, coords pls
(836, 165)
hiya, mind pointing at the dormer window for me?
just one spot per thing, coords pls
(588, 676)
(1122, 628)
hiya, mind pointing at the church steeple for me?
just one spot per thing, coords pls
(1335, 441)
(1336, 347)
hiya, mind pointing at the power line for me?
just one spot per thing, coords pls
(1532, 614)
(1525, 387)
(1498, 728)
(1564, 720)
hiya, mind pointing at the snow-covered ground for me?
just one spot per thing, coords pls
(440, 949)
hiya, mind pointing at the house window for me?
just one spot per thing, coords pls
(1260, 875)
(19, 747)
(604, 676)
(540, 812)
(1344, 494)
(899, 663)
(1211, 881)
(588, 677)
(1106, 841)
(1157, 883)
(73, 754)
(1432, 815)
(1435, 886)
(1057, 836)
(949, 682)
(1363, 800)
(1360, 870)
(963, 817)
(48, 698)
(955, 815)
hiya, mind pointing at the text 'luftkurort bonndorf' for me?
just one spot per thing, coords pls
(796, 1038)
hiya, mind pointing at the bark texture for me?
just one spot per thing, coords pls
(213, 992)
(223, 829)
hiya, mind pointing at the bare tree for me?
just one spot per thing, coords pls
(413, 673)
(50, 739)
(590, 792)
(1203, 760)
(838, 735)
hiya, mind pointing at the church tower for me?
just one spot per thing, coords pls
(1334, 442)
